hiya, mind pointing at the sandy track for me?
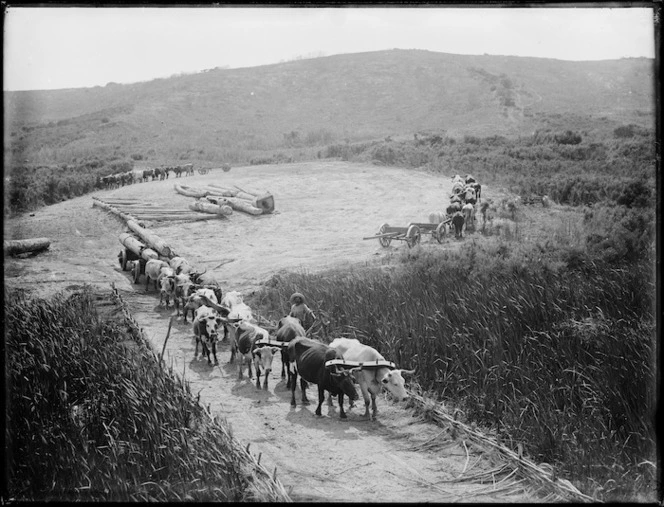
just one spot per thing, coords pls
(322, 212)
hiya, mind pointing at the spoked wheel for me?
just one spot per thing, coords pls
(440, 232)
(413, 236)
(384, 242)
(123, 260)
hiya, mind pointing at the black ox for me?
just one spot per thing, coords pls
(309, 357)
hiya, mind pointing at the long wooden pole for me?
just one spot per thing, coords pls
(137, 247)
(151, 239)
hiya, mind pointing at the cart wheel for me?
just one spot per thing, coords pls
(123, 260)
(413, 236)
(440, 232)
(137, 271)
(384, 242)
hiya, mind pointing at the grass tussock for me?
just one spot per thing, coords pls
(92, 416)
(550, 350)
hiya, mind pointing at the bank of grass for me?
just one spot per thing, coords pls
(92, 417)
(553, 350)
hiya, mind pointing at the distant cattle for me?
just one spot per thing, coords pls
(188, 169)
(371, 380)
(457, 222)
(177, 170)
(309, 358)
(148, 173)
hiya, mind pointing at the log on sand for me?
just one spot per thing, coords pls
(151, 239)
(112, 209)
(236, 204)
(258, 199)
(189, 191)
(208, 207)
(19, 246)
(191, 217)
(131, 243)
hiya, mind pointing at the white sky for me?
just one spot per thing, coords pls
(67, 47)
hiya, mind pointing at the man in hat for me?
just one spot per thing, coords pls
(301, 311)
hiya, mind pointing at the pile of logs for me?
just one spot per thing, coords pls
(138, 211)
(247, 201)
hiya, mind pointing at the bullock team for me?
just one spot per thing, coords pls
(158, 173)
(466, 192)
(229, 319)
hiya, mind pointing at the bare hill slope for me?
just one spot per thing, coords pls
(323, 100)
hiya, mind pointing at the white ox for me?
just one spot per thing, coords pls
(371, 379)
(153, 271)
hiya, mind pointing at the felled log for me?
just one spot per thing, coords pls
(131, 243)
(189, 191)
(236, 204)
(151, 239)
(19, 246)
(191, 217)
(112, 209)
(208, 207)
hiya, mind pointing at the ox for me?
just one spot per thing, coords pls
(246, 346)
(206, 324)
(196, 300)
(166, 282)
(469, 194)
(309, 358)
(153, 272)
(180, 265)
(468, 211)
(371, 379)
(288, 328)
(457, 179)
(177, 170)
(457, 222)
(148, 173)
(457, 188)
(188, 169)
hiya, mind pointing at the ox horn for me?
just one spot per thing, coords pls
(408, 372)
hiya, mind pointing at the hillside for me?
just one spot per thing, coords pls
(219, 114)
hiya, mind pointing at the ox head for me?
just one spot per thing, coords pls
(196, 276)
(168, 284)
(210, 320)
(264, 355)
(343, 380)
(392, 381)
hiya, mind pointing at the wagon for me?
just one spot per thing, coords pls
(411, 234)
(138, 269)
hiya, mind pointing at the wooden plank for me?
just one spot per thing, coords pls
(19, 246)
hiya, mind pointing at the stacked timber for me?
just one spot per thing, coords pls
(131, 243)
(133, 209)
(234, 203)
(254, 203)
(209, 207)
(20, 246)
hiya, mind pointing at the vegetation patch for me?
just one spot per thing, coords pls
(92, 416)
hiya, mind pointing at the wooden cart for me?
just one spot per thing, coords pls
(411, 234)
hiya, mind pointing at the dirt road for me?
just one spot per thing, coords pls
(323, 210)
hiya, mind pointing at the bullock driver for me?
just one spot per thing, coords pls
(301, 311)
